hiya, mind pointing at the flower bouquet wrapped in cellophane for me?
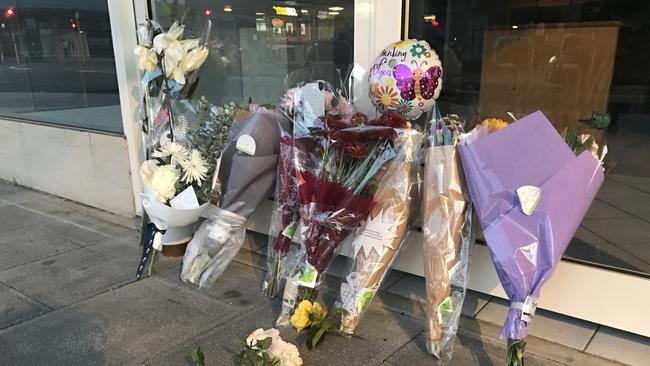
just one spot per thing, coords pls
(246, 177)
(179, 180)
(530, 191)
(378, 241)
(337, 168)
(447, 231)
(285, 218)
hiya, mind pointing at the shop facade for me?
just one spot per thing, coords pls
(69, 96)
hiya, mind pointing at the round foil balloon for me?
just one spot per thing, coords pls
(406, 77)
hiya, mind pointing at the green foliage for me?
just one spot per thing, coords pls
(210, 137)
(319, 328)
(598, 120)
(570, 136)
(197, 356)
(257, 354)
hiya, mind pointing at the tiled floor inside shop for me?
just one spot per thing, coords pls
(68, 296)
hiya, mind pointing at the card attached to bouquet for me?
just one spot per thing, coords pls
(313, 101)
(185, 200)
(290, 230)
(246, 144)
(308, 276)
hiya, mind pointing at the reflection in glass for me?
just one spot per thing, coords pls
(258, 48)
(568, 59)
(57, 63)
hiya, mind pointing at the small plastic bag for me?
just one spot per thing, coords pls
(213, 247)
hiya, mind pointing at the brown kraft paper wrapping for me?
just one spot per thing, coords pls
(392, 210)
(446, 211)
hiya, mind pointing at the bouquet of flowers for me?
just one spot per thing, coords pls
(337, 168)
(380, 238)
(531, 191)
(171, 67)
(446, 226)
(180, 180)
(267, 348)
(246, 176)
(285, 218)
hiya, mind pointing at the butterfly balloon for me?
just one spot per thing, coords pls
(406, 77)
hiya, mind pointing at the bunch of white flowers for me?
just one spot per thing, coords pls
(286, 352)
(178, 164)
(179, 57)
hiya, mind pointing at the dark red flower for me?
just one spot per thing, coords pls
(359, 118)
(392, 119)
(334, 124)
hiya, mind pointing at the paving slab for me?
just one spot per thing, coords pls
(377, 340)
(620, 346)
(239, 285)
(70, 277)
(13, 217)
(466, 351)
(29, 244)
(16, 307)
(478, 343)
(115, 328)
(571, 332)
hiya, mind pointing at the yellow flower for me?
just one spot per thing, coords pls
(306, 312)
(300, 318)
(495, 124)
(317, 310)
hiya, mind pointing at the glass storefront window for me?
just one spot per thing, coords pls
(259, 47)
(566, 58)
(57, 63)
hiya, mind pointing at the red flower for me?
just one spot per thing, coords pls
(390, 119)
(334, 124)
(359, 118)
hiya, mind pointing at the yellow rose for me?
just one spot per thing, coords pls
(300, 318)
(495, 124)
(317, 310)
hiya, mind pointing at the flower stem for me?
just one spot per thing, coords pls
(515, 352)
(152, 269)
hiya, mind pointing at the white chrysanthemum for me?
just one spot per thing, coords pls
(195, 168)
(163, 181)
(176, 151)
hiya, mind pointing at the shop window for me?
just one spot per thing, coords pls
(568, 59)
(57, 64)
(259, 48)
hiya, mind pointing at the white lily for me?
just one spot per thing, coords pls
(190, 44)
(173, 55)
(147, 59)
(193, 59)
